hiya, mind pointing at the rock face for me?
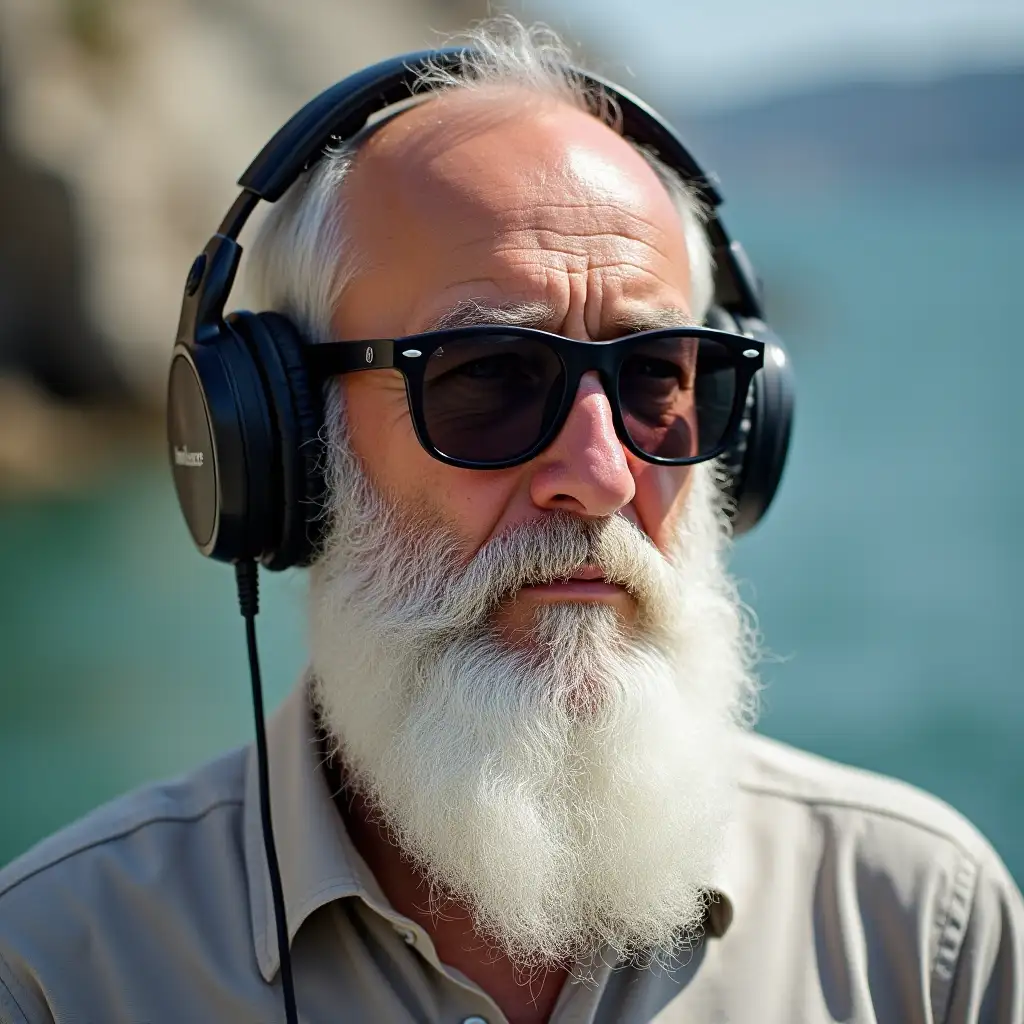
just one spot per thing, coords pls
(46, 334)
(127, 123)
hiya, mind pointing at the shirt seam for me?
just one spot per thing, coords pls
(124, 833)
(867, 808)
(952, 930)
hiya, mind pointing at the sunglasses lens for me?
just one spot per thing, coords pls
(489, 399)
(677, 396)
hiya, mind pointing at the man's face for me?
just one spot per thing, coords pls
(512, 202)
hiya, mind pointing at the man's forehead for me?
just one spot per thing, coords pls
(473, 208)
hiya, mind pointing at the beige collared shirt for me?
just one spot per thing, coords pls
(844, 897)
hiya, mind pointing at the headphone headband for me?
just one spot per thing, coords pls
(343, 109)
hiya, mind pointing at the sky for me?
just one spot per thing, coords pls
(751, 48)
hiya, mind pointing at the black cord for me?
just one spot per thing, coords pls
(247, 577)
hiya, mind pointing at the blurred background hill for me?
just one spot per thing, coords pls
(872, 155)
(970, 123)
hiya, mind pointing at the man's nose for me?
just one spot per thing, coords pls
(585, 469)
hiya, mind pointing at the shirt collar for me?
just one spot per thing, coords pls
(317, 859)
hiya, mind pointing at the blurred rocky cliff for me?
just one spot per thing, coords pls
(123, 126)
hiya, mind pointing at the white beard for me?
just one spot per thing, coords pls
(572, 792)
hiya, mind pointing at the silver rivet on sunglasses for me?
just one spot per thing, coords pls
(412, 353)
(750, 353)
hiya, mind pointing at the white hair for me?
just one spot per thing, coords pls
(302, 259)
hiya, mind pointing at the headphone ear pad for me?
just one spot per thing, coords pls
(297, 413)
(770, 415)
(755, 462)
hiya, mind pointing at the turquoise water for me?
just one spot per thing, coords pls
(886, 577)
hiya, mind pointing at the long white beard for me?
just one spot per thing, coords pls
(571, 791)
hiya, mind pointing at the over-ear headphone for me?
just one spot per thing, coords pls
(244, 413)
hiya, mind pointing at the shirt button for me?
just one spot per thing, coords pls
(408, 937)
(475, 1020)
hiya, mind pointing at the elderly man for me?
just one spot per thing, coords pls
(518, 783)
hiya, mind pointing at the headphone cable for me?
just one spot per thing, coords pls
(247, 578)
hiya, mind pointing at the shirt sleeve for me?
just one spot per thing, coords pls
(988, 983)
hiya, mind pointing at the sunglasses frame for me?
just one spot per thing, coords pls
(410, 355)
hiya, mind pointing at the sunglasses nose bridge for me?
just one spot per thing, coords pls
(583, 357)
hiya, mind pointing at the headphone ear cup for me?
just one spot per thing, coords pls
(297, 415)
(755, 462)
(221, 446)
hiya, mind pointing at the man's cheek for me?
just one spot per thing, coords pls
(660, 500)
(478, 504)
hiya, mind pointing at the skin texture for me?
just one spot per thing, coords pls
(501, 197)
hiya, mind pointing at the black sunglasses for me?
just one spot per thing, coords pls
(491, 397)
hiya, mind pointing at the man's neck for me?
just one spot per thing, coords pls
(449, 926)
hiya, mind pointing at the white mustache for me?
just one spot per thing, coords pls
(458, 595)
(559, 546)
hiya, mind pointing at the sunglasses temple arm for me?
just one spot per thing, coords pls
(334, 357)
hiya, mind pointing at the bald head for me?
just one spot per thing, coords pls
(505, 197)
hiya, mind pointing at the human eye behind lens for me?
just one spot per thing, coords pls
(470, 361)
(499, 366)
(650, 370)
(649, 366)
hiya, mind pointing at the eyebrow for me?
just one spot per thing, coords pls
(541, 316)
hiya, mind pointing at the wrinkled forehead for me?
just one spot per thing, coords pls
(527, 195)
